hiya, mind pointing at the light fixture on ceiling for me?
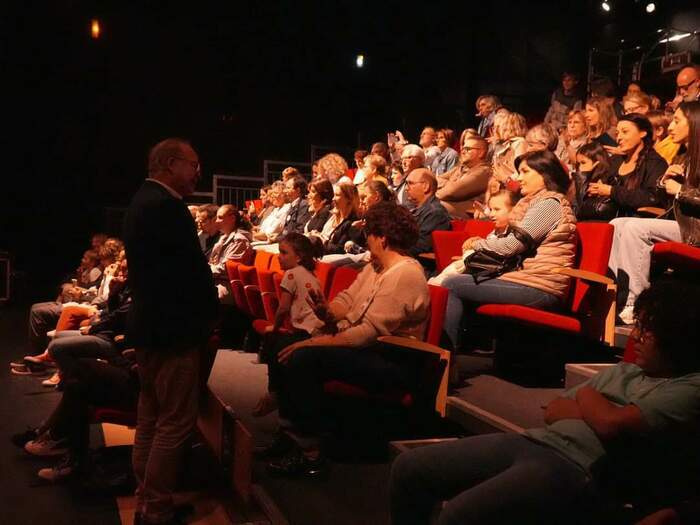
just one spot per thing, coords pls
(651, 7)
(606, 6)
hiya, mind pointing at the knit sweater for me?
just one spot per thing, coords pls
(557, 249)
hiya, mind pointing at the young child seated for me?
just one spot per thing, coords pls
(497, 210)
(294, 314)
(548, 474)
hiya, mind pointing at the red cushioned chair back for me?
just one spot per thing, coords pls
(275, 263)
(258, 205)
(262, 260)
(592, 254)
(232, 270)
(324, 273)
(447, 245)
(268, 292)
(459, 225)
(342, 279)
(679, 256)
(476, 228)
(438, 304)
(629, 356)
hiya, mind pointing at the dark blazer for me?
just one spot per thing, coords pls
(174, 302)
(647, 193)
(316, 222)
(343, 233)
(297, 217)
(430, 216)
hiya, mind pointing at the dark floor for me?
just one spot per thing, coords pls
(23, 500)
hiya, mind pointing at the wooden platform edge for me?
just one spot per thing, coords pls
(477, 419)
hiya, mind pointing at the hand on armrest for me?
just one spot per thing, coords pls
(562, 408)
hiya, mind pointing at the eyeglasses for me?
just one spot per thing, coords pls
(633, 109)
(470, 148)
(412, 182)
(193, 163)
(686, 87)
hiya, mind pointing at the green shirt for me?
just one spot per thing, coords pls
(668, 405)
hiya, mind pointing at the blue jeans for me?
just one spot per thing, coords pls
(497, 478)
(495, 291)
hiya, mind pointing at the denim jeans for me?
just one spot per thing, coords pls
(462, 288)
(496, 478)
(630, 255)
(68, 346)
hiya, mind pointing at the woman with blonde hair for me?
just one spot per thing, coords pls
(334, 168)
(575, 136)
(601, 119)
(636, 102)
(509, 131)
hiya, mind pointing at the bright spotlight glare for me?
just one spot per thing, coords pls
(360, 60)
(605, 6)
(651, 7)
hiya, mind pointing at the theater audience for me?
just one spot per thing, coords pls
(358, 172)
(273, 224)
(256, 217)
(298, 215)
(630, 256)
(464, 184)
(486, 106)
(633, 177)
(374, 168)
(381, 149)
(542, 215)
(339, 229)
(542, 137)
(509, 143)
(289, 173)
(333, 168)
(636, 102)
(447, 158)
(320, 203)
(575, 136)
(427, 141)
(429, 213)
(636, 421)
(663, 143)
(208, 229)
(565, 99)
(592, 165)
(389, 297)
(412, 158)
(233, 245)
(601, 121)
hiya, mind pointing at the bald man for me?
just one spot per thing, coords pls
(687, 84)
(429, 213)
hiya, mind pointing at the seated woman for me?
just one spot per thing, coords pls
(320, 201)
(334, 169)
(273, 224)
(546, 216)
(374, 168)
(601, 121)
(630, 256)
(389, 297)
(634, 174)
(233, 245)
(575, 136)
(255, 216)
(541, 476)
(509, 131)
(339, 229)
(447, 158)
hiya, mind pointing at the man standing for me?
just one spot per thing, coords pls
(429, 213)
(466, 182)
(566, 98)
(174, 305)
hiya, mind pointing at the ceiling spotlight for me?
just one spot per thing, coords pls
(606, 6)
(360, 60)
(651, 7)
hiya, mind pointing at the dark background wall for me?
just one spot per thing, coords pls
(247, 81)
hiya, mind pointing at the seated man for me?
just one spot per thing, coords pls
(652, 407)
(295, 189)
(412, 158)
(429, 213)
(208, 230)
(389, 297)
(459, 188)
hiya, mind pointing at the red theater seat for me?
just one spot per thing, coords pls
(590, 309)
(448, 244)
(677, 256)
(342, 279)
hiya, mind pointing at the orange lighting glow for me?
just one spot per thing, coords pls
(95, 28)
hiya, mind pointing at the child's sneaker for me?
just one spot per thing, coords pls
(44, 445)
(62, 470)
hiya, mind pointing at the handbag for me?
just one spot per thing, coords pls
(483, 265)
(597, 208)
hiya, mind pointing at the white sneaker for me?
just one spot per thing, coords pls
(44, 445)
(627, 315)
(63, 469)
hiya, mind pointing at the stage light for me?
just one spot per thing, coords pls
(95, 28)
(651, 7)
(606, 6)
(675, 38)
(360, 61)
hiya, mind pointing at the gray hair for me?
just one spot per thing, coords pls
(545, 135)
(413, 150)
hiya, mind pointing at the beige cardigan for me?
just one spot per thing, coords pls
(395, 302)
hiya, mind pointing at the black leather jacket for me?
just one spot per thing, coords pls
(686, 207)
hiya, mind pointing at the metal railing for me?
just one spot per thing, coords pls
(272, 169)
(232, 189)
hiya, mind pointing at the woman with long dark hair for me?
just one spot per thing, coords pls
(630, 257)
(632, 182)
